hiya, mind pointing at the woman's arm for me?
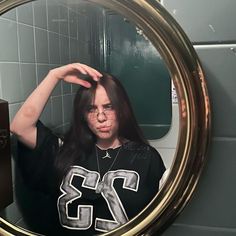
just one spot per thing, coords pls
(24, 122)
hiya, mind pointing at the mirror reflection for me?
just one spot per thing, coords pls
(37, 47)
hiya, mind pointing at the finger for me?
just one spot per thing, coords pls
(86, 70)
(77, 67)
(76, 80)
(90, 71)
(85, 84)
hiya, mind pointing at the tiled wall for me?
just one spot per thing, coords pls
(210, 25)
(36, 37)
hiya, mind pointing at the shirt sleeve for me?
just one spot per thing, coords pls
(36, 165)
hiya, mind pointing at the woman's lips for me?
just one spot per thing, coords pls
(104, 128)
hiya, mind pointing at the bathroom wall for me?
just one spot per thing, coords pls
(35, 38)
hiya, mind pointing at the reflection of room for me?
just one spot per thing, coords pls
(36, 37)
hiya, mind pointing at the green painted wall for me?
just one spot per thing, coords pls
(132, 58)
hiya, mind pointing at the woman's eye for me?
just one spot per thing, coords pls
(91, 109)
(108, 107)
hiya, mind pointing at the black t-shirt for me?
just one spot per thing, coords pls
(98, 193)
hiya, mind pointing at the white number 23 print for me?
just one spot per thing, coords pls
(84, 217)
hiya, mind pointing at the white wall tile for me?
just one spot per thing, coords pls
(11, 83)
(53, 16)
(28, 78)
(40, 14)
(26, 43)
(11, 14)
(8, 41)
(25, 13)
(41, 44)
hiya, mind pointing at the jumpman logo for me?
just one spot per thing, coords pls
(107, 155)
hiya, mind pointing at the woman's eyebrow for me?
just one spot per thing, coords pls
(104, 104)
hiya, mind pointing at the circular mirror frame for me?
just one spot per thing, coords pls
(194, 112)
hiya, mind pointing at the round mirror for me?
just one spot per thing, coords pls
(151, 37)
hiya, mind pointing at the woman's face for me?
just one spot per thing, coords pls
(102, 119)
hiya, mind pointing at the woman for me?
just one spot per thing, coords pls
(102, 164)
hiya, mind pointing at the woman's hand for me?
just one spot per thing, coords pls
(24, 122)
(73, 73)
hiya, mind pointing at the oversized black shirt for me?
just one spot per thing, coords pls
(97, 194)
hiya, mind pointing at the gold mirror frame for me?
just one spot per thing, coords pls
(194, 112)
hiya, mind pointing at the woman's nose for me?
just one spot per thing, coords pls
(101, 116)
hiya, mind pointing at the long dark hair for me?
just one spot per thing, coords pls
(79, 140)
